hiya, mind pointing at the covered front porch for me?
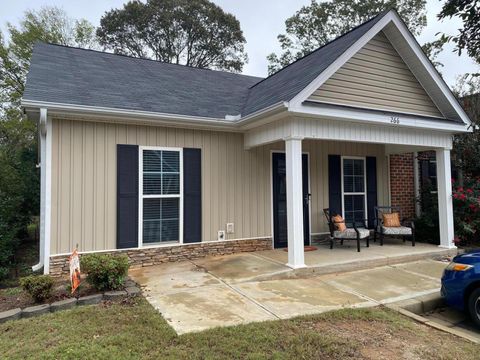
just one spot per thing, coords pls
(315, 150)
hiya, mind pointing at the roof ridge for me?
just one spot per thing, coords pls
(143, 59)
(321, 47)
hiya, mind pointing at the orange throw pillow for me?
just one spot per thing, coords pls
(339, 223)
(391, 220)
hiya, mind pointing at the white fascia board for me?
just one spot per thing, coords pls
(154, 118)
(122, 113)
(377, 117)
(390, 17)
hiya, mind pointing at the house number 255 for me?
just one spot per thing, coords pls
(395, 119)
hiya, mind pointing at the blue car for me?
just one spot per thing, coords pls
(461, 284)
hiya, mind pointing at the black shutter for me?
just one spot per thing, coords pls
(127, 196)
(335, 184)
(192, 195)
(371, 189)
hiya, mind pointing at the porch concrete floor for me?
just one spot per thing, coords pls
(242, 288)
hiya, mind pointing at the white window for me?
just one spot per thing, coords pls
(354, 196)
(161, 195)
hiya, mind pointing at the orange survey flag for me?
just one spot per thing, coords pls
(74, 270)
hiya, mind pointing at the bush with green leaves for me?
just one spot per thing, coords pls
(39, 287)
(105, 271)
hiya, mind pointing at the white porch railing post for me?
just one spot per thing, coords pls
(293, 157)
(445, 205)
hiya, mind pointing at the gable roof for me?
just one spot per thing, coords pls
(66, 78)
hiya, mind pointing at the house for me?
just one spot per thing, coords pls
(167, 162)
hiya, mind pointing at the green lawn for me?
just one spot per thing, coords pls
(136, 330)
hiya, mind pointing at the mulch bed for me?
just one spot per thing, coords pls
(16, 297)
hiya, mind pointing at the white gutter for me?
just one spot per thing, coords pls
(45, 135)
(42, 131)
(232, 122)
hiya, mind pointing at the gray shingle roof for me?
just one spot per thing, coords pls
(84, 77)
(68, 75)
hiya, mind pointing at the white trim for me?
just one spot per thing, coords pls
(155, 246)
(364, 193)
(48, 196)
(42, 135)
(383, 117)
(393, 18)
(180, 197)
(173, 119)
(271, 196)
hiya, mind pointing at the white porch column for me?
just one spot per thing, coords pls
(293, 157)
(445, 206)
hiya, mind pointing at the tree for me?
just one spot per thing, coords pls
(322, 21)
(192, 32)
(466, 147)
(49, 24)
(19, 177)
(468, 37)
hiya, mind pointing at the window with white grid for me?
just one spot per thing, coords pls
(160, 195)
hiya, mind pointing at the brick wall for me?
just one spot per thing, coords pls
(402, 183)
(158, 255)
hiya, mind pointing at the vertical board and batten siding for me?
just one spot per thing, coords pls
(236, 183)
(376, 77)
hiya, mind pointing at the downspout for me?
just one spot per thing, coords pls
(43, 133)
(416, 184)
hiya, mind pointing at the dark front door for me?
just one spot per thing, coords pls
(280, 200)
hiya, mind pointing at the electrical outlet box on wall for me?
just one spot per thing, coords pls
(221, 235)
(230, 228)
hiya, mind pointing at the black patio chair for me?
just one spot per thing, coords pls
(406, 230)
(353, 232)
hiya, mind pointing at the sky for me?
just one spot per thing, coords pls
(261, 22)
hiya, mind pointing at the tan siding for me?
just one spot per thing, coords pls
(236, 184)
(376, 77)
(318, 155)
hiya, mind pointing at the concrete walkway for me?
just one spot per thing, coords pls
(225, 290)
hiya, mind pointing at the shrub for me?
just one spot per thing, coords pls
(466, 205)
(39, 287)
(105, 271)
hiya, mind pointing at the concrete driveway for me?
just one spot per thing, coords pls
(224, 290)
